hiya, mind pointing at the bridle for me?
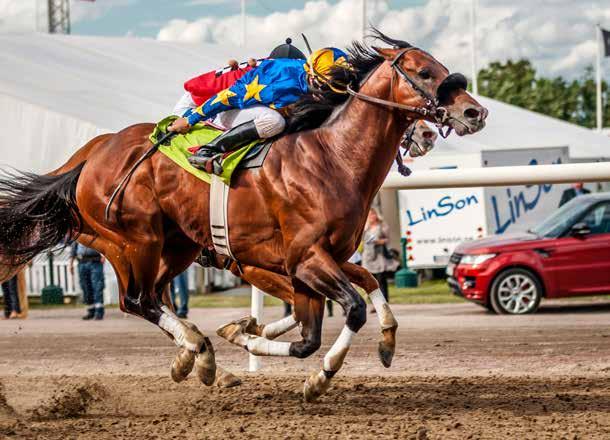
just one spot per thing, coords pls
(431, 105)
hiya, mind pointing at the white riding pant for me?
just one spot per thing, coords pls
(268, 122)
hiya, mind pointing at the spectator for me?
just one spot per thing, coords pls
(376, 257)
(10, 290)
(576, 190)
(183, 293)
(91, 277)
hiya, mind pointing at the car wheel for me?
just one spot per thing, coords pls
(516, 292)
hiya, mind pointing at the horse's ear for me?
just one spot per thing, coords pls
(388, 54)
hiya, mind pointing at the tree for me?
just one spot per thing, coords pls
(517, 83)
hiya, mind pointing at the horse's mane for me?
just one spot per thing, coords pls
(315, 107)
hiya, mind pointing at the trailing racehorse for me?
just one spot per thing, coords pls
(292, 223)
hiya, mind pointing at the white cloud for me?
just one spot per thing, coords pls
(555, 34)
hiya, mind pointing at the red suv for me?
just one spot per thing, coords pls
(566, 255)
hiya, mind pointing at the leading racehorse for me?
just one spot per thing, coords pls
(292, 223)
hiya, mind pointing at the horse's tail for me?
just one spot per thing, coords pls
(37, 213)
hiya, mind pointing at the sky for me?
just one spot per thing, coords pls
(556, 35)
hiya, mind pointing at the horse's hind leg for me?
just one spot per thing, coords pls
(137, 266)
(362, 278)
(172, 263)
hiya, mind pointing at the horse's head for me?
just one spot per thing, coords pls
(420, 139)
(421, 82)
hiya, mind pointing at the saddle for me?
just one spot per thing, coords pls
(182, 146)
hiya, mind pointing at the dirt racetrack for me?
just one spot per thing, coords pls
(459, 373)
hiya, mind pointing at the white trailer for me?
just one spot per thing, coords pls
(435, 221)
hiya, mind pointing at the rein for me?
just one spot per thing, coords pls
(431, 107)
(421, 110)
(148, 153)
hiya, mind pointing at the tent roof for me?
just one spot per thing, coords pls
(510, 127)
(109, 82)
(114, 82)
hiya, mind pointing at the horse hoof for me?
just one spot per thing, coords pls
(316, 385)
(182, 365)
(205, 364)
(225, 379)
(230, 332)
(386, 354)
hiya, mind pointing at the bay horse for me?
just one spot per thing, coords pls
(292, 223)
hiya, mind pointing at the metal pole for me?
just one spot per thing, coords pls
(501, 176)
(243, 23)
(363, 19)
(598, 37)
(256, 310)
(473, 23)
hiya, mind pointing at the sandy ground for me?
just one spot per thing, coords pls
(459, 372)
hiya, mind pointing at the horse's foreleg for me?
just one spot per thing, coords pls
(258, 339)
(273, 284)
(322, 274)
(361, 277)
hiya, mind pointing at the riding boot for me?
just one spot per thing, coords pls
(209, 156)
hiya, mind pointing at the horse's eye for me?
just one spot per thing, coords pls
(424, 74)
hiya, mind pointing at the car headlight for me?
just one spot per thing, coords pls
(475, 260)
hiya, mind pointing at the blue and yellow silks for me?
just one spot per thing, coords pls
(274, 83)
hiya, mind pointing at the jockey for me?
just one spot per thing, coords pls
(249, 108)
(199, 89)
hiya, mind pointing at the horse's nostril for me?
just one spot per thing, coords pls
(472, 113)
(427, 134)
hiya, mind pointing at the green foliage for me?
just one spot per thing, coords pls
(516, 83)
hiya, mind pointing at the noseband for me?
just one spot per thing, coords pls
(431, 105)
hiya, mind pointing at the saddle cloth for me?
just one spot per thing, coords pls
(178, 150)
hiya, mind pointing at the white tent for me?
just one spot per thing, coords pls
(510, 127)
(57, 92)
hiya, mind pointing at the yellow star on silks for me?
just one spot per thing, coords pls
(224, 96)
(253, 90)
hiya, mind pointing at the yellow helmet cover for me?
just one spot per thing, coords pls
(322, 61)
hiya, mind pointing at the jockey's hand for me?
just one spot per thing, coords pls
(180, 125)
(252, 62)
(233, 64)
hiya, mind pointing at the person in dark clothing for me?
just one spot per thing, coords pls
(181, 281)
(10, 291)
(576, 190)
(91, 277)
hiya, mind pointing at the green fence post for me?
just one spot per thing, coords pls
(51, 294)
(405, 277)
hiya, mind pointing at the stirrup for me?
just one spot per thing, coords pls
(213, 165)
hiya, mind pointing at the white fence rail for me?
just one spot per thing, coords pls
(501, 176)
(37, 275)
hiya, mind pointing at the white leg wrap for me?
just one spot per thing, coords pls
(384, 314)
(277, 328)
(334, 358)
(171, 324)
(264, 347)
